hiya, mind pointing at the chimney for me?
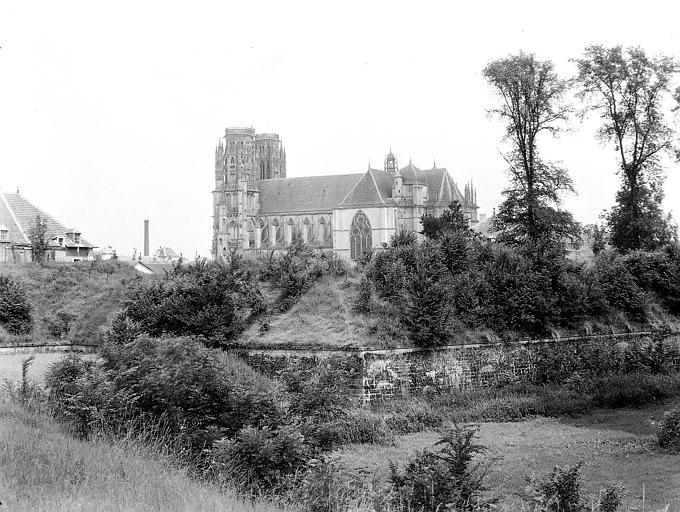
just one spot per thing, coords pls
(146, 237)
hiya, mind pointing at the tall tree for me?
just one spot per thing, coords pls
(629, 90)
(38, 237)
(531, 103)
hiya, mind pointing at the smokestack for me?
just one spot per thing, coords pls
(146, 237)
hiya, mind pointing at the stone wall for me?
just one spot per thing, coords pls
(404, 372)
(385, 374)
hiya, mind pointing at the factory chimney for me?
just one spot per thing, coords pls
(146, 237)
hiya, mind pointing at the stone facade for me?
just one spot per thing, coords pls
(256, 207)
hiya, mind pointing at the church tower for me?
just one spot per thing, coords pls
(242, 158)
(270, 156)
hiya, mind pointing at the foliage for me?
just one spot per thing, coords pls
(451, 221)
(192, 391)
(611, 498)
(628, 89)
(443, 480)
(560, 491)
(210, 299)
(258, 460)
(669, 430)
(15, 311)
(298, 268)
(425, 309)
(364, 298)
(531, 103)
(37, 235)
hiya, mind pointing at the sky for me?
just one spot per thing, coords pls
(110, 111)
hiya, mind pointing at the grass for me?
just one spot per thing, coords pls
(71, 288)
(43, 468)
(615, 446)
(323, 317)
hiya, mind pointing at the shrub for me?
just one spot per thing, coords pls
(259, 460)
(611, 498)
(210, 299)
(193, 391)
(669, 430)
(15, 311)
(619, 286)
(559, 492)
(329, 487)
(447, 479)
(425, 308)
(364, 298)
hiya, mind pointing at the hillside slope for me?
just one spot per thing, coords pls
(69, 301)
(45, 469)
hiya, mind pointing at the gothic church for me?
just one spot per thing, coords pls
(256, 207)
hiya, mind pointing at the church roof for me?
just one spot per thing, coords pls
(311, 193)
(374, 188)
(441, 188)
(412, 175)
(19, 214)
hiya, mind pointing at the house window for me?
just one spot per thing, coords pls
(4, 235)
(360, 236)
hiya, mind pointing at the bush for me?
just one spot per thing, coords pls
(15, 311)
(425, 308)
(196, 393)
(259, 460)
(364, 299)
(210, 299)
(619, 287)
(447, 479)
(559, 492)
(669, 430)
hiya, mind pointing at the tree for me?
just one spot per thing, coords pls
(629, 89)
(452, 220)
(38, 238)
(531, 103)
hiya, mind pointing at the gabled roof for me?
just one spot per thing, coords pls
(308, 194)
(19, 215)
(374, 188)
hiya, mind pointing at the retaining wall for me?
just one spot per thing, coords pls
(410, 371)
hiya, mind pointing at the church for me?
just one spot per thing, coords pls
(257, 208)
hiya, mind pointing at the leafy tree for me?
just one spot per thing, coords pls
(452, 220)
(628, 89)
(531, 103)
(38, 237)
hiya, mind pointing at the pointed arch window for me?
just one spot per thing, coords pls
(360, 236)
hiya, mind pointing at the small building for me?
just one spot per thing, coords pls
(18, 217)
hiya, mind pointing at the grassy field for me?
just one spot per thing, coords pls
(43, 468)
(614, 445)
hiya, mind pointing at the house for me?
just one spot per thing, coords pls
(18, 218)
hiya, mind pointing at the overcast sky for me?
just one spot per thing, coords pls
(110, 112)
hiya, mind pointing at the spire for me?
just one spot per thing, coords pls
(434, 164)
